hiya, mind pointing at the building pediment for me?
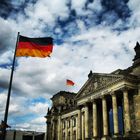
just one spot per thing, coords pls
(96, 82)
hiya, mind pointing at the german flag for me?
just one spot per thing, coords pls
(34, 47)
(69, 82)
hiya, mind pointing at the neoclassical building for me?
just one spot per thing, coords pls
(107, 107)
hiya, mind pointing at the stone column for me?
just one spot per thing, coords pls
(66, 129)
(105, 117)
(59, 128)
(115, 114)
(71, 129)
(83, 126)
(95, 129)
(86, 122)
(50, 131)
(48, 128)
(126, 112)
(78, 125)
(53, 129)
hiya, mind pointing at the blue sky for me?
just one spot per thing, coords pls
(97, 35)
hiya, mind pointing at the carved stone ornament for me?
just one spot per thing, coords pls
(97, 82)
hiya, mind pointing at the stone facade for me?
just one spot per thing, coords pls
(107, 107)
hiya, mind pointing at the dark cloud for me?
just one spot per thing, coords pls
(119, 7)
(10, 8)
(3, 84)
(5, 36)
(4, 44)
(5, 8)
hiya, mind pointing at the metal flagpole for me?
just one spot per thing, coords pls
(9, 92)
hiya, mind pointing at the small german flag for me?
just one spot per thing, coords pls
(34, 47)
(69, 82)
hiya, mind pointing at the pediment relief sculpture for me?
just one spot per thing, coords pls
(97, 82)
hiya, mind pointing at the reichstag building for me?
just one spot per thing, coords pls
(107, 107)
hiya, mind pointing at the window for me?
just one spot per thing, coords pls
(64, 124)
(68, 123)
(74, 122)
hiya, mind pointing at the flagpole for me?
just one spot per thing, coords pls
(9, 91)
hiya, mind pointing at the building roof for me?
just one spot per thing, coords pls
(63, 93)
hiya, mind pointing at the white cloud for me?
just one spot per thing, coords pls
(17, 107)
(39, 108)
(134, 6)
(96, 5)
(79, 6)
(34, 125)
(2, 104)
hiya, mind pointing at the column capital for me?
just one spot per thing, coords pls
(82, 111)
(79, 107)
(103, 97)
(113, 94)
(125, 88)
(86, 104)
(94, 100)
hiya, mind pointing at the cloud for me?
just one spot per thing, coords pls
(34, 114)
(6, 35)
(78, 6)
(4, 78)
(2, 107)
(134, 20)
(95, 5)
(34, 125)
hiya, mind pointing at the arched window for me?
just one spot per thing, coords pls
(74, 122)
(64, 124)
(68, 123)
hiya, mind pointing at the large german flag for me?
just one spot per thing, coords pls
(34, 47)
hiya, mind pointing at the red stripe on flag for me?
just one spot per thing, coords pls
(31, 45)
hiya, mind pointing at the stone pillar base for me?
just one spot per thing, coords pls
(117, 137)
(87, 138)
(95, 138)
(128, 133)
(105, 138)
(132, 137)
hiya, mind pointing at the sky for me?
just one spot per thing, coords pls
(97, 35)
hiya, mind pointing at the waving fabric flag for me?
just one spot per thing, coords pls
(34, 47)
(70, 83)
